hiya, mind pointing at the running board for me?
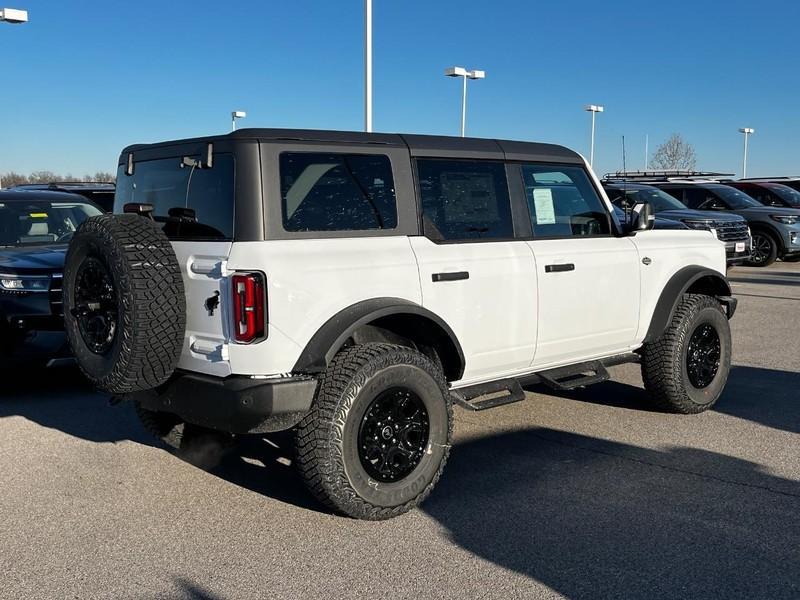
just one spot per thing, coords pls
(575, 376)
(489, 395)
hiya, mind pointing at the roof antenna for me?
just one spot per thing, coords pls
(625, 183)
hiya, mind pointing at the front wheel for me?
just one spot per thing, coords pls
(378, 435)
(765, 250)
(686, 369)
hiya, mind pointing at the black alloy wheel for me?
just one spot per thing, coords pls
(393, 435)
(703, 356)
(95, 306)
(764, 250)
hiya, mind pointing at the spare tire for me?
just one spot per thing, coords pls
(124, 303)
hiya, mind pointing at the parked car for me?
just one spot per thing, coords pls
(769, 193)
(775, 230)
(792, 182)
(354, 286)
(35, 228)
(100, 193)
(730, 229)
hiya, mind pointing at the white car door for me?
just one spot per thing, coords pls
(588, 278)
(472, 272)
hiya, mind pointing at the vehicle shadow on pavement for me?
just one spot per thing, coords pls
(592, 518)
(62, 399)
(766, 396)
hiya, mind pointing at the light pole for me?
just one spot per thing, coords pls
(236, 114)
(594, 109)
(465, 74)
(13, 16)
(746, 131)
(368, 66)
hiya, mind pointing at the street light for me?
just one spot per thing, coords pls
(368, 66)
(13, 15)
(462, 72)
(594, 109)
(237, 114)
(746, 131)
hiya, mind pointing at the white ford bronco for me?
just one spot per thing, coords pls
(354, 286)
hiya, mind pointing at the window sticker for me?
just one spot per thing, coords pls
(543, 205)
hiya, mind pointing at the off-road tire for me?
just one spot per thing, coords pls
(149, 296)
(664, 361)
(166, 427)
(772, 255)
(326, 439)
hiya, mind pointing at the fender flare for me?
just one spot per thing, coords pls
(330, 338)
(677, 285)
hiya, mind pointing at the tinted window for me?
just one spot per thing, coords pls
(781, 195)
(657, 198)
(563, 202)
(463, 199)
(733, 198)
(169, 185)
(337, 192)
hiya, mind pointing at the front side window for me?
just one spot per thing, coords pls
(172, 186)
(563, 202)
(337, 192)
(464, 199)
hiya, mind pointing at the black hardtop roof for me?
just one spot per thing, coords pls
(32, 195)
(419, 145)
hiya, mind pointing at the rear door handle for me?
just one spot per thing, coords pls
(559, 268)
(456, 276)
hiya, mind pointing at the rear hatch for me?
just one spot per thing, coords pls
(195, 203)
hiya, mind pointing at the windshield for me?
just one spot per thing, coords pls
(734, 198)
(40, 222)
(784, 192)
(657, 199)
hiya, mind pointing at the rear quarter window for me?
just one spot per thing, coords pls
(170, 185)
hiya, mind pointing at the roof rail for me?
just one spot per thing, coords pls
(662, 175)
(776, 179)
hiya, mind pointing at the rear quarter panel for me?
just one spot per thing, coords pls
(309, 281)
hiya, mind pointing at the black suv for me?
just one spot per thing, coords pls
(730, 229)
(100, 193)
(35, 228)
(776, 230)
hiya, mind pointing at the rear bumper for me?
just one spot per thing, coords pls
(234, 404)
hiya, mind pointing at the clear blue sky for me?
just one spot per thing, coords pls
(84, 78)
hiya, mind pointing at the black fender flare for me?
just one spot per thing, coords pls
(330, 338)
(714, 284)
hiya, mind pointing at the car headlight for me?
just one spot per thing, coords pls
(10, 282)
(785, 219)
(697, 224)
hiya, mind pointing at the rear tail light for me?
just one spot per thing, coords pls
(249, 313)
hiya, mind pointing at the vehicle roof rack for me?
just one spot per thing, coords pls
(664, 175)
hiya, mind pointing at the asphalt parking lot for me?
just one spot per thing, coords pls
(590, 494)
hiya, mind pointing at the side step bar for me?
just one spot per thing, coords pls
(489, 395)
(506, 391)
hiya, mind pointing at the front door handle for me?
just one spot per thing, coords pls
(559, 268)
(450, 276)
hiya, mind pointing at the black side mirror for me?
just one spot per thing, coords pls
(641, 217)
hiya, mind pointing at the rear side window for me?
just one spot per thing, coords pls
(170, 186)
(337, 192)
(563, 203)
(464, 200)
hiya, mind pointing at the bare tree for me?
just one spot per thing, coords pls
(12, 178)
(675, 153)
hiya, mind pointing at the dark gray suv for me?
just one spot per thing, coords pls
(776, 230)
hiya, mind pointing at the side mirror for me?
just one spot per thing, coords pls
(641, 217)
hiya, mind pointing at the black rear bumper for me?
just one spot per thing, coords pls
(235, 404)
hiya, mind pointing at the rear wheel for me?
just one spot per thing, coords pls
(685, 371)
(378, 435)
(765, 250)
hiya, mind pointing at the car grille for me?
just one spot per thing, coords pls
(729, 232)
(57, 295)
